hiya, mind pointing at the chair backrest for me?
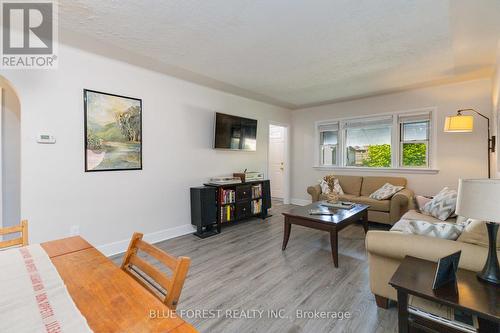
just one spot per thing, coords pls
(166, 288)
(22, 240)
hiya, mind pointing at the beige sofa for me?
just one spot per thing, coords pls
(386, 249)
(358, 189)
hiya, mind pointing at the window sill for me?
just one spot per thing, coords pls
(386, 170)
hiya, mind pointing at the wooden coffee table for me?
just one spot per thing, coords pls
(331, 223)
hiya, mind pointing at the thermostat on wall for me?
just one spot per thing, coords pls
(45, 138)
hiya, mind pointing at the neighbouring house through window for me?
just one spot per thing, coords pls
(400, 140)
(368, 143)
(328, 143)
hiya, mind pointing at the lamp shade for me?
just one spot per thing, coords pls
(459, 123)
(479, 199)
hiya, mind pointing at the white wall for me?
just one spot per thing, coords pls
(177, 153)
(459, 154)
(496, 111)
(10, 155)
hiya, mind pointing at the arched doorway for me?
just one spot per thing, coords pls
(10, 157)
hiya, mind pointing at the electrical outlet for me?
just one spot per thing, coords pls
(75, 230)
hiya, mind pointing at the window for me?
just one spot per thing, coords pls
(368, 143)
(328, 136)
(400, 140)
(414, 141)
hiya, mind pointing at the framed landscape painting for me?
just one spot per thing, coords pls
(113, 132)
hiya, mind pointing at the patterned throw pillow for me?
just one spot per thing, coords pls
(443, 230)
(334, 184)
(443, 205)
(325, 188)
(386, 191)
(421, 201)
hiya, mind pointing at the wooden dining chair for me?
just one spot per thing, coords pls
(22, 240)
(166, 287)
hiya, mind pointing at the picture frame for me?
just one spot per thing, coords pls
(112, 132)
(446, 270)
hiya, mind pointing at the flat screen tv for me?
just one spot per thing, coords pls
(235, 133)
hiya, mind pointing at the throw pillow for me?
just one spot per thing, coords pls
(421, 201)
(442, 230)
(386, 192)
(325, 188)
(475, 232)
(464, 221)
(402, 225)
(334, 184)
(443, 205)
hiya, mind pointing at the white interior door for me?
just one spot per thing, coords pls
(277, 161)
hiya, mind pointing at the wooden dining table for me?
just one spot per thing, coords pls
(106, 296)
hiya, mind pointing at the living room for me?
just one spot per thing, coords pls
(406, 92)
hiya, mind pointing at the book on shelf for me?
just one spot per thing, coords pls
(256, 191)
(227, 196)
(257, 206)
(227, 213)
(442, 314)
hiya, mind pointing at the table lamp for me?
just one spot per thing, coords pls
(479, 199)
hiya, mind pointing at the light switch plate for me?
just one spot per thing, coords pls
(46, 139)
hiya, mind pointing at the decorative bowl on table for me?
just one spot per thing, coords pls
(332, 197)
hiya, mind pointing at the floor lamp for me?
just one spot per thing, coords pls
(461, 123)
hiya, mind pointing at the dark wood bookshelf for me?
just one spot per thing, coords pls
(243, 198)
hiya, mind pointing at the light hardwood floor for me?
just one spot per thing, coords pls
(244, 268)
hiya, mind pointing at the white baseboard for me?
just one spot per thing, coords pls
(118, 247)
(300, 202)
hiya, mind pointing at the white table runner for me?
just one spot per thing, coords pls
(33, 297)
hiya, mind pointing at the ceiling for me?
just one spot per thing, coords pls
(294, 53)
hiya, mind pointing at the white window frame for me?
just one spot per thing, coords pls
(376, 118)
(426, 142)
(396, 143)
(336, 127)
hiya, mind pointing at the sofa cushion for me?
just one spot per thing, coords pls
(415, 215)
(371, 184)
(476, 233)
(378, 205)
(350, 184)
(348, 197)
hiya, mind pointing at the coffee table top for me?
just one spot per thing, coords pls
(340, 215)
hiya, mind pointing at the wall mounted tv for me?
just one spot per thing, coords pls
(235, 133)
